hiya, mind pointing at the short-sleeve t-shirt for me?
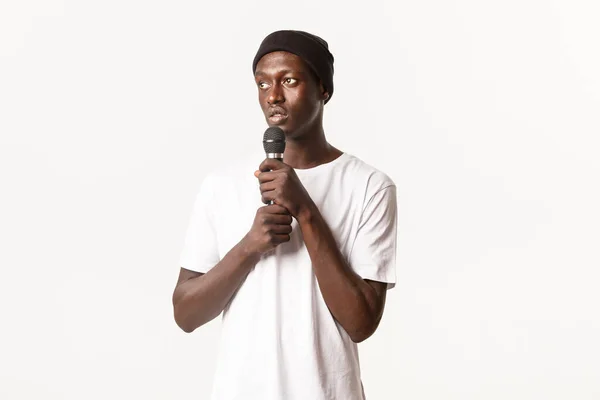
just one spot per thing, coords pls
(278, 338)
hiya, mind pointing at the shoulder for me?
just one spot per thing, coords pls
(367, 176)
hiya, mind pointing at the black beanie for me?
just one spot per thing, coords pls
(311, 48)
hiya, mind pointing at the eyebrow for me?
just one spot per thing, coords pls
(285, 71)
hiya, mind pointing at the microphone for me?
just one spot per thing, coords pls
(274, 144)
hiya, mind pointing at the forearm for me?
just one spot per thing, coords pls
(350, 299)
(200, 299)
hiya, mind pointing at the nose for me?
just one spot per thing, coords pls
(275, 95)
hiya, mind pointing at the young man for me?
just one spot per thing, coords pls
(303, 280)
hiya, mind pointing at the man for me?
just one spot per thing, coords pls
(300, 281)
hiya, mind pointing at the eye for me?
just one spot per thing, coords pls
(262, 85)
(290, 81)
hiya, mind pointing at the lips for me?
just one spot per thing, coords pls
(277, 119)
(277, 115)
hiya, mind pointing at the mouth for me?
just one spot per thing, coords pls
(277, 115)
(277, 118)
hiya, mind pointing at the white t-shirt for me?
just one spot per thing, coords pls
(279, 340)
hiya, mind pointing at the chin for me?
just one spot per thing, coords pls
(284, 126)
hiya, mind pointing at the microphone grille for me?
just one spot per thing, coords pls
(274, 140)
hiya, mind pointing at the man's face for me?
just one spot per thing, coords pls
(289, 93)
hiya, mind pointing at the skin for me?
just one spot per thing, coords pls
(288, 86)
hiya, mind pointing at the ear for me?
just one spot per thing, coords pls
(324, 93)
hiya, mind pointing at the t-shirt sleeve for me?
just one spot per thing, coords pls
(200, 252)
(373, 255)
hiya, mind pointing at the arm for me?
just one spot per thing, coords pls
(199, 298)
(356, 303)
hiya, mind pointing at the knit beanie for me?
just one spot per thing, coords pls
(311, 48)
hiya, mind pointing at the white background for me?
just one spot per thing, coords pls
(486, 115)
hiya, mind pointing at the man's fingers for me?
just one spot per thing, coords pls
(276, 209)
(271, 164)
(267, 197)
(281, 229)
(267, 186)
(278, 239)
(266, 176)
(278, 219)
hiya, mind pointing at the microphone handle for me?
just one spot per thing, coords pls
(276, 156)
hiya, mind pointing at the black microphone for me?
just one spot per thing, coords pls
(274, 144)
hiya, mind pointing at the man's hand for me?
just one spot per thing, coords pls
(272, 226)
(280, 184)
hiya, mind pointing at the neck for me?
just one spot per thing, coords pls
(309, 150)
